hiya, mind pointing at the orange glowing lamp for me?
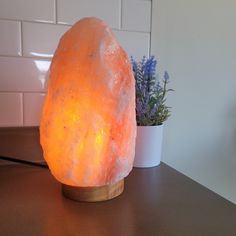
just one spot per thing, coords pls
(88, 125)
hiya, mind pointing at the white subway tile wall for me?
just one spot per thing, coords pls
(11, 108)
(68, 12)
(132, 41)
(19, 74)
(29, 10)
(136, 15)
(41, 39)
(10, 38)
(29, 33)
(32, 108)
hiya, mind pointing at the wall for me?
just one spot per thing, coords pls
(29, 33)
(195, 42)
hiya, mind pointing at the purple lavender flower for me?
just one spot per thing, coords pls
(150, 94)
(154, 109)
(166, 77)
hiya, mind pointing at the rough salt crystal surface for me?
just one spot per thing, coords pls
(88, 125)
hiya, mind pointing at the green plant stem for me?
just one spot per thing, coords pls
(164, 90)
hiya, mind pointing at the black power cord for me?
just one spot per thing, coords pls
(24, 162)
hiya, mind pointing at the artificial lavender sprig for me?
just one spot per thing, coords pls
(150, 93)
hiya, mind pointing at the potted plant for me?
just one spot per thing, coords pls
(151, 111)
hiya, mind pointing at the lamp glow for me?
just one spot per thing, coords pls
(88, 125)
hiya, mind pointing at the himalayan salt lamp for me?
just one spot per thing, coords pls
(88, 125)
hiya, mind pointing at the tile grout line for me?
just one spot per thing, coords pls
(28, 57)
(21, 39)
(150, 29)
(67, 24)
(30, 21)
(121, 21)
(55, 13)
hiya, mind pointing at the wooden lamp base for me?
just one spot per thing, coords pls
(93, 194)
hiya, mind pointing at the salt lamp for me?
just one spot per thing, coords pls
(88, 125)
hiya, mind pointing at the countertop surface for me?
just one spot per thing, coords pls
(156, 201)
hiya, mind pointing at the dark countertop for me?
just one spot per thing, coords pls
(156, 201)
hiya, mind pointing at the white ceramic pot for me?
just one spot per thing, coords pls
(148, 146)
